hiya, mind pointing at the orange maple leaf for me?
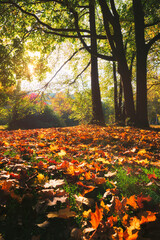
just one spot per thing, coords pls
(96, 217)
(133, 229)
(118, 205)
(111, 221)
(149, 217)
(132, 201)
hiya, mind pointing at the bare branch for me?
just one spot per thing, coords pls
(152, 24)
(152, 85)
(70, 36)
(152, 41)
(69, 59)
(80, 73)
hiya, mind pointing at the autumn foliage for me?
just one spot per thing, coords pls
(77, 175)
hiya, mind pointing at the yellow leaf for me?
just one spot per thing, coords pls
(102, 204)
(40, 178)
(103, 160)
(62, 153)
(87, 214)
(141, 152)
(53, 148)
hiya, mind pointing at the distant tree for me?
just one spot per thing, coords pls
(82, 106)
(61, 105)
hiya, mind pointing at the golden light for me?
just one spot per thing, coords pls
(31, 69)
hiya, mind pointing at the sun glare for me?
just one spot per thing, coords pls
(31, 68)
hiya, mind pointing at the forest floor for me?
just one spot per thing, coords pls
(83, 182)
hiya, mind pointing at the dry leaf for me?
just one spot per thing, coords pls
(62, 213)
(87, 214)
(43, 225)
(62, 199)
(148, 217)
(110, 174)
(96, 217)
(54, 183)
(132, 201)
(84, 200)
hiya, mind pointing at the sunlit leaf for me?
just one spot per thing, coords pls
(148, 216)
(62, 153)
(96, 217)
(54, 183)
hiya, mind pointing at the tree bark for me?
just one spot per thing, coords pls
(98, 116)
(141, 66)
(111, 18)
(116, 105)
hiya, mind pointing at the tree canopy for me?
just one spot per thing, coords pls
(124, 32)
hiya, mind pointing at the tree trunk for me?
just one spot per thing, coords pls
(141, 95)
(116, 107)
(114, 35)
(128, 92)
(98, 116)
(141, 65)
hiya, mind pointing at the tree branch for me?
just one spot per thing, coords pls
(77, 29)
(109, 58)
(70, 36)
(69, 59)
(80, 73)
(152, 41)
(151, 24)
(42, 23)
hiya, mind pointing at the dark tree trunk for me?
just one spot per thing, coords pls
(141, 65)
(116, 105)
(98, 116)
(128, 95)
(119, 106)
(111, 18)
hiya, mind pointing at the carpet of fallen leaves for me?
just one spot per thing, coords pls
(65, 183)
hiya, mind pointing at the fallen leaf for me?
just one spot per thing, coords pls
(87, 214)
(43, 225)
(57, 199)
(62, 153)
(141, 152)
(132, 201)
(62, 213)
(148, 216)
(99, 180)
(110, 174)
(134, 225)
(54, 183)
(111, 221)
(141, 199)
(83, 200)
(96, 217)
(104, 206)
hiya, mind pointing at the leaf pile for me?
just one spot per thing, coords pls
(83, 182)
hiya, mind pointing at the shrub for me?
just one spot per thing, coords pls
(44, 119)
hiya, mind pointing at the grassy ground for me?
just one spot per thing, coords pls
(83, 182)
